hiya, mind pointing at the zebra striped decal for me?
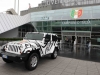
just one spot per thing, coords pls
(14, 48)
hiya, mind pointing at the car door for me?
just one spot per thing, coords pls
(54, 43)
(47, 43)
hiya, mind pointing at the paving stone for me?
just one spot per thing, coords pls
(59, 66)
(69, 70)
(53, 73)
(78, 73)
(71, 67)
(58, 70)
(82, 71)
(93, 73)
(67, 73)
(3, 73)
(38, 72)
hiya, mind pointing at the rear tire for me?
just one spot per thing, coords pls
(54, 54)
(7, 60)
(32, 62)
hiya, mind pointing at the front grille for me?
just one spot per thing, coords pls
(14, 48)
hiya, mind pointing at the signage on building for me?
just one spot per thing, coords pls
(53, 2)
(69, 2)
(45, 18)
(76, 13)
(76, 22)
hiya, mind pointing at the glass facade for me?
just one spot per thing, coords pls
(22, 30)
(57, 21)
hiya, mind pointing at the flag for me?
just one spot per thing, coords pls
(76, 13)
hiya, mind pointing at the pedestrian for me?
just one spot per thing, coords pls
(72, 44)
(88, 45)
(67, 41)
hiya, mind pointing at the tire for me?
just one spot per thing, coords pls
(54, 54)
(30, 64)
(7, 60)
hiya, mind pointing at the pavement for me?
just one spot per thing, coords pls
(47, 66)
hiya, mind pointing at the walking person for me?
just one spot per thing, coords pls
(67, 41)
(72, 44)
(88, 45)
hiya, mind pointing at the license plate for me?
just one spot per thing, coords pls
(4, 56)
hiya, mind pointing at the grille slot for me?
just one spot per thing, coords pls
(14, 48)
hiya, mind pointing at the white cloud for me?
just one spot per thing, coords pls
(23, 4)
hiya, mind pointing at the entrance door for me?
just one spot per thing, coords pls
(82, 44)
(78, 38)
(68, 43)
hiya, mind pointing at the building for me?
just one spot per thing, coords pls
(60, 4)
(72, 19)
(12, 25)
(11, 11)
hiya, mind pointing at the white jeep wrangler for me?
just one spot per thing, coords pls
(33, 46)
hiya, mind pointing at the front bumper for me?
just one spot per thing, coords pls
(14, 57)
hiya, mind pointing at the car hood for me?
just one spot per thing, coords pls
(25, 42)
(19, 42)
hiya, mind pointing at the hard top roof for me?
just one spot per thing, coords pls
(42, 33)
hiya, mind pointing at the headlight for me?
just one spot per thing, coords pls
(21, 49)
(4, 47)
(27, 45)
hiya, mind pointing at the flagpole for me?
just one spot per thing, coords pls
(15, 5)
(29, 5)
(18, 7)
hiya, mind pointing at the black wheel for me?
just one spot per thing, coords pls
(54, 54)
(32, 62)
(7, 60)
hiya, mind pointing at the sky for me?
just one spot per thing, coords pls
(23, 4)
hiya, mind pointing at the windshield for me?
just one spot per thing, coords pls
(34, 36)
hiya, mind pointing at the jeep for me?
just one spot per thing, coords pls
(33, 46)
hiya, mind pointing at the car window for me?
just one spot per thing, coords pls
(48, 37)
(54, 38)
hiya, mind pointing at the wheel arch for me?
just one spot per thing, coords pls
(34, 51)
(57, 49)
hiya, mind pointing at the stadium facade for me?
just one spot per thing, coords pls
(75, 19)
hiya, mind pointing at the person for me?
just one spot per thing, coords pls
(72, 44)
(75, 42)
(67, 41)
(88, 44)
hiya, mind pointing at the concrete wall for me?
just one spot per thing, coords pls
(36, 9)
(10, 34)
(11, 11)
(52, 7)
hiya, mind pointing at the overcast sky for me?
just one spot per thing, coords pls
(23, 4)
